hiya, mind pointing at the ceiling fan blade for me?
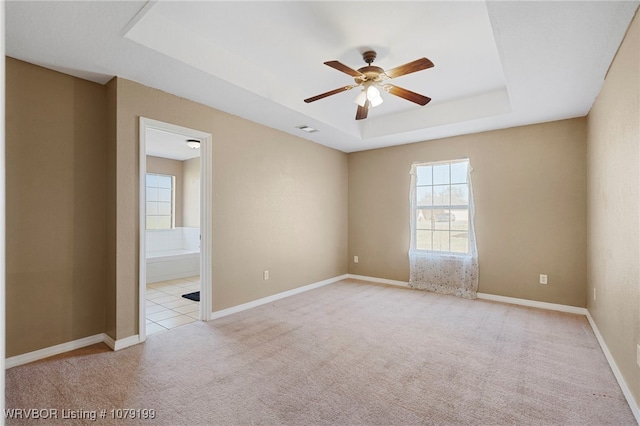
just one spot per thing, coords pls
(406, 94)
(417, 65)
(362, 112)
(345, 69)
(333, 92)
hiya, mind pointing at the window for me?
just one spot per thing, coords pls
(440, 205)
(160, 201)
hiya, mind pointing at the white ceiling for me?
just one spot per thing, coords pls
(160, 143)
(498, 64)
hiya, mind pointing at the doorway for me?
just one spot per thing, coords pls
(175, 226)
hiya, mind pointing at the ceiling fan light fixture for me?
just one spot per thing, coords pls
(361, 99)
(373, 95)
(193, 143)
(369, 76)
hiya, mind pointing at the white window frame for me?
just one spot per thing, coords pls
(449, 207)
(173, 203)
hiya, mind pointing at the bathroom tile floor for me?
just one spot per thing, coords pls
(167, 309)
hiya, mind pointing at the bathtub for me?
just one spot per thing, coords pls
(172, 254)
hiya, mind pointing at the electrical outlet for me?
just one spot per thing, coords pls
(266, 275)
(355, 259)
(543, 279)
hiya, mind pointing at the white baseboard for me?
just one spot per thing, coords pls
(534, 304)
(278, 296)
(115, 345)
(378, 280)
(108, 340)
(486, 296)
(14, 361)
(616, 371)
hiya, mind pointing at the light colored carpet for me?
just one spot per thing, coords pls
(349, 353)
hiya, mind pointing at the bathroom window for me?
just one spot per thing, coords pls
(160, 201)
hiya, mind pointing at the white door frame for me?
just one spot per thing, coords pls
(206, 173)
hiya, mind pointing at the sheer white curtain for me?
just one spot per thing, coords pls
(440, 268)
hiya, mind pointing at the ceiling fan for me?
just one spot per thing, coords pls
(371, 76)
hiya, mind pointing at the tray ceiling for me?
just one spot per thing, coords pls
(497, 64)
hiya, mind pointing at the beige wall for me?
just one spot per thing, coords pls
(529, 185)
(614, 208)
(72, 266)
(279, 203)
(191, 191)
(56, 202)
(166, 166)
